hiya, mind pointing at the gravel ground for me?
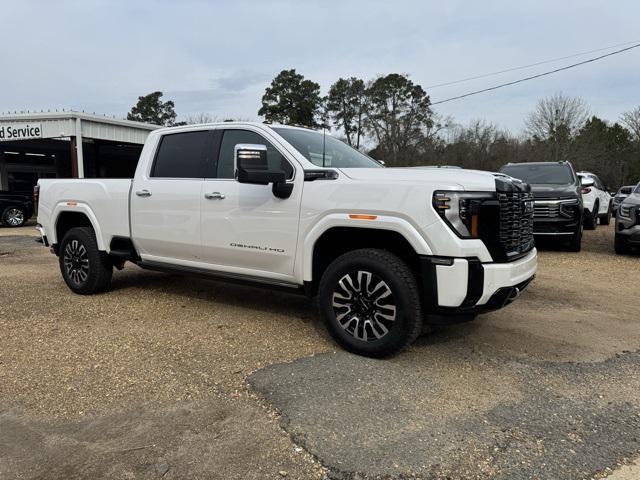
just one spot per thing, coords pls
(78, 373)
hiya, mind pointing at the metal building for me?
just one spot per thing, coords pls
(67, 144)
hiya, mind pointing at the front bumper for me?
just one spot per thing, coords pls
(454, 286)
(628, 229)
(556, 226)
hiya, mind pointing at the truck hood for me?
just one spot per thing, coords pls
(554, 191)
(456, 179)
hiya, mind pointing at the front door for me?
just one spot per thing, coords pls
(165, 200)
(245, 228)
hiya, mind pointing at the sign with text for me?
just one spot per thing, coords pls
(20, 131)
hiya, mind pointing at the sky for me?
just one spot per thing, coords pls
(217, 57)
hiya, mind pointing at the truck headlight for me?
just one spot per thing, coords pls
(461, 210)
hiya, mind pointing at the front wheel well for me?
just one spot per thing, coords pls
(337, 241)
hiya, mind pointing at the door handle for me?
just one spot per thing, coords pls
(214, 196)
(143, 193)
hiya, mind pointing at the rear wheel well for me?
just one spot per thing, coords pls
(339, 240)
(68, 220)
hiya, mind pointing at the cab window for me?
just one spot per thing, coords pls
(231, 138)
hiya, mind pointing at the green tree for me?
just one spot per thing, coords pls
(604, 149)
(292, 100)
(346, 106)
(398, 113)
(151, 109)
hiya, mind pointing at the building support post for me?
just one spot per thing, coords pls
(80, 157)
(74, 157)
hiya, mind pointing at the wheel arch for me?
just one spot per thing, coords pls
(80, 216)
(337, 240)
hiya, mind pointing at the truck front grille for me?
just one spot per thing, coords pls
(546, 210)
(516, 222)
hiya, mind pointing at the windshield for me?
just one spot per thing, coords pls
(625, 191)
(637, 190)
(552, 174)
(326, 151)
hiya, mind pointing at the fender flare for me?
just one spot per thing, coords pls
(77, 207)
(381, 222)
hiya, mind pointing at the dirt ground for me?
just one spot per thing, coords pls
(149, 380)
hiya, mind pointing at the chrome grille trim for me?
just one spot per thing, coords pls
(516, 223)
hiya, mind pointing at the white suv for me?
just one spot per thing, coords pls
(596, 199)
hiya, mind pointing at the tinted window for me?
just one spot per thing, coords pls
(231, 138)
(324, 150)
(182, 155)
(625, 190)
(553, 174)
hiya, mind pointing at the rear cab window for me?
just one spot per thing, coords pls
(183, 155)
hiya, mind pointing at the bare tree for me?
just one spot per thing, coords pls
(631, 120)
(196, 118)
(556, 120)
(556, 112)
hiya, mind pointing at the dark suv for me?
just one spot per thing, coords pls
(628, 223)
(557, 199)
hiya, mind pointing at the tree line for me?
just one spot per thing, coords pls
(391, 118)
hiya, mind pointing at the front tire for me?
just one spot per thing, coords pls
(575, 244)
(621, 245)
(13, 217)
(85, 269)
(370, 303)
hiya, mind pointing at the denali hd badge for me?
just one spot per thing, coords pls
(258, 247)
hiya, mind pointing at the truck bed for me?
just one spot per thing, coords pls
(104, 199)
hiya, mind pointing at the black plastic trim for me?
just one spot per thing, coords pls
(226, 276)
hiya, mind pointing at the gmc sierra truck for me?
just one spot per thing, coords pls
(384, 250)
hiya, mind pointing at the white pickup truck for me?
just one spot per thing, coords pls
(385, 250)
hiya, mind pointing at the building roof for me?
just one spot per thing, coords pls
(72, 114)
(66, 124)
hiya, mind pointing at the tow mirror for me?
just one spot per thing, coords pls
(587, 182)
(252, 167)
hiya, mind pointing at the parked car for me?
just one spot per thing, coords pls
(620, 195)
(15, 208)
(293, 209)
(596, 199)
(628, 223)
(557, 200)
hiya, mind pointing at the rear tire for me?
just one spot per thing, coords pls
(86, 270)
(591, 219)
(370, 303)
(14, 217)
(606, 218)
(621, 245)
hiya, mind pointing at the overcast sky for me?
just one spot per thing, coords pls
(218, 56)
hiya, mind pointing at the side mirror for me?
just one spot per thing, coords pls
(252, 167)
(587, 182)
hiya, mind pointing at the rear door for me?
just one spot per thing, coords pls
(245, 228)
(165, 201)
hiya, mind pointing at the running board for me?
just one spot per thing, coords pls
(218, 275)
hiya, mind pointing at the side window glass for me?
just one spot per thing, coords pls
(231, 138)
(182, 155)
